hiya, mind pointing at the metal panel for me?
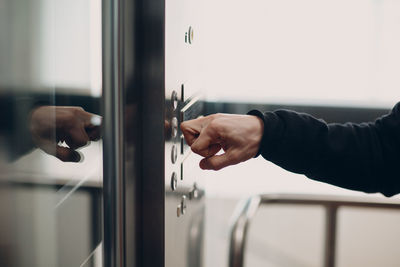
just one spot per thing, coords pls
(184, 199)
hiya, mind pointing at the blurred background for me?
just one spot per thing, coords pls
(337, 60)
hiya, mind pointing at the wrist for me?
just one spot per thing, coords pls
(259, 129)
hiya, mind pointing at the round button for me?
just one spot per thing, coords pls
(174, 153)
(190, 34)
(174, 181)
(194, 193)
(183, 205)
(174, 125)
(174, 99)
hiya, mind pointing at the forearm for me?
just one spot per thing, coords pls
(355, 156)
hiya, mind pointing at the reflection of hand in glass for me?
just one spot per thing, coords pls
(50, 125)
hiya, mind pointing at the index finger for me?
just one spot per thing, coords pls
(90, 119)
(191, 129)
(92, 124)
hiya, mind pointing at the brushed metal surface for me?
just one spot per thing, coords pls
(184, 213)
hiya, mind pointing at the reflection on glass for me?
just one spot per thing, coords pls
(50, 133)
(51, 125)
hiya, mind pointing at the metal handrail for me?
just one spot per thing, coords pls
(247, 209)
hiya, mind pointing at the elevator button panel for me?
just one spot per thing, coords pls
(183, 182)
(184, 83)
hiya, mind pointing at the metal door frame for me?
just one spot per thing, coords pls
(133, 149)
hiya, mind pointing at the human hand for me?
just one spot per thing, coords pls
(238, 135)
(50, 125)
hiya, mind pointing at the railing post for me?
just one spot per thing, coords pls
(330, 235)
(113, 146)
(238, 235)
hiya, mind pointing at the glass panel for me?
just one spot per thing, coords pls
(50, 133)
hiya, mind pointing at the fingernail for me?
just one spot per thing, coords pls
(96, 120)
(202, 165)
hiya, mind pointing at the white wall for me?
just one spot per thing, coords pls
(311, 51)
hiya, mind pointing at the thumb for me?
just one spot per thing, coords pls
(218, 162)
(67, 154)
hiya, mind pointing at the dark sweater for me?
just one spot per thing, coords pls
(364, 157)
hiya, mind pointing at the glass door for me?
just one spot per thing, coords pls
(50, 133)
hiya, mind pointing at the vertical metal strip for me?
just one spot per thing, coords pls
(113, 165)
(150, 67)
(330, 238)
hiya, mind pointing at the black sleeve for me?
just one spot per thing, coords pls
(364, 157)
